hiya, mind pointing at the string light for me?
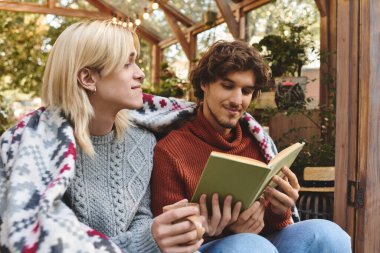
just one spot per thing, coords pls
(155, 5)
(137, 21)
(146, 14)
(152, 6)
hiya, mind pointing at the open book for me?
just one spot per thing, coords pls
(244, 178)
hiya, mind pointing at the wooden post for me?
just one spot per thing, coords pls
(327, 72)
(358, 121)
(156, 63)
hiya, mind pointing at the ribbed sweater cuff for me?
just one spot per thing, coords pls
(279, 221)
(138, 241)
(147, 242)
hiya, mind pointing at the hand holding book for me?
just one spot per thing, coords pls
(243, 178)
(285, 194)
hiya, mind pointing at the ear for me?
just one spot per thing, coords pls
(87, 79)
(203, 86)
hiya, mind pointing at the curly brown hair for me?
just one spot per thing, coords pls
(223, 58)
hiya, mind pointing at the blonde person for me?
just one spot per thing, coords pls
(90, 78)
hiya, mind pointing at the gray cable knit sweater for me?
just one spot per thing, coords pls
(111, 192)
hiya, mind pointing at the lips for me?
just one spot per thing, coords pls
(232, 109)
(137, 86)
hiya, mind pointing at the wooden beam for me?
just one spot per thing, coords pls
(322, 7)
(106, 12)
(171, 10)
(248, 5)
(245, 6)
(229, 17)
(179, 35)
(51, 3)
(43, 9)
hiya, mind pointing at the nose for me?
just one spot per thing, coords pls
(236, 97)
(138, 74)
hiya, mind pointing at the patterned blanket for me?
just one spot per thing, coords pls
(37, 162)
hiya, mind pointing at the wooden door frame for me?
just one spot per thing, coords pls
(358, 121)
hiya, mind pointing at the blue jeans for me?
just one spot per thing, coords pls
(309, 236)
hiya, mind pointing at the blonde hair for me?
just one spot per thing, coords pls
(100, 45)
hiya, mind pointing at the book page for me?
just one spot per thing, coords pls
(241, 159)
(285, 158)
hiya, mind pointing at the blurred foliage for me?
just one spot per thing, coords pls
(5, 114)
(287, 52)
(145, 59)
(25, 40)
(319, 150)
(266, 19)
(170, 85)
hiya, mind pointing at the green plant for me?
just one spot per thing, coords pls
(288, 52)
(6, 120)
(319, 150)
(170, 85)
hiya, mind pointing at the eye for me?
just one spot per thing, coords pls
(227, 86)
(247, 91)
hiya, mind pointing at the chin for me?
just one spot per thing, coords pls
(133, 105)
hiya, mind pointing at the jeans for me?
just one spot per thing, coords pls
(309, 236)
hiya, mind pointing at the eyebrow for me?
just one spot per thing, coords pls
(229, 80)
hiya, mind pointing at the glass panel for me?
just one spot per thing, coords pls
(207, 38)
(157, 22)
(144, 60)
(194, 9)
(266, 20)
(177, 60)
(76, 4)
(135, 9)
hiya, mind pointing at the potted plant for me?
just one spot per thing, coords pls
(287, 52)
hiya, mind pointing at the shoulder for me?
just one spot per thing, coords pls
(137, 133)
(137, 138)
(175, 139)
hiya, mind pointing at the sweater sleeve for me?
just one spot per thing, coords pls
(167, 182)
(139, 237)
(274, 222)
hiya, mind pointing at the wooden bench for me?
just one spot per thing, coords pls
(317, 193)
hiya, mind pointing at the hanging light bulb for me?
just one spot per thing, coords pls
(155, 5)
(130, 24)
(146, 14)
(114, 20)
(137, 20)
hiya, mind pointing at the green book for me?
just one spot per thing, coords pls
(242, 177)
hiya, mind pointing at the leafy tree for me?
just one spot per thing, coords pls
(25, 40)
(21, 40)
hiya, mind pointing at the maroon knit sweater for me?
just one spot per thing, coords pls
(179, 159)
